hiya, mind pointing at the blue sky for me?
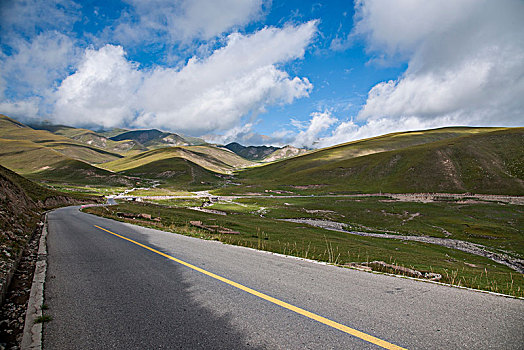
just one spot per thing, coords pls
(307, 73)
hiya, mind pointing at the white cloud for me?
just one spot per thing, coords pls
(210, 94)
(35, 53)
(319, 122)
(30, 17)
(465, 61)
(33, 66)
(185, 20)
(237, 133)
(100, 92)
(325, 130)
(21, 109)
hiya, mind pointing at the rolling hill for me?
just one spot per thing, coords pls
(44, 156)
(459, 160)
(12, 130)
(177, 172)
(212, 158)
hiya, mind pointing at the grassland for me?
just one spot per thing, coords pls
(492, 224)
(259, 227)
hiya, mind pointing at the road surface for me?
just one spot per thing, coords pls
(112, 285)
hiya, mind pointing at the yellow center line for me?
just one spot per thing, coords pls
(369, 338)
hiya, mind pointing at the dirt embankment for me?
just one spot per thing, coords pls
(19, 216)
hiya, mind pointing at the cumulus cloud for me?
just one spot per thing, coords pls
(325, 129)
(319, 122)
(35, 53)
(101, 91)
(34, 65)
(186, 19)
(465, 61)
(21, 109)
(209, 94)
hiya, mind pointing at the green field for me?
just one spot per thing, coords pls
(259, 227)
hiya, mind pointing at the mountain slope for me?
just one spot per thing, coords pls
(479, 160)
(12, 130)
(388, 142)
(152, 138)
(209, 157)
(44, 156)
(178, 172)
(255, 153)
(21, 204)
(284, 152)
(91, 138)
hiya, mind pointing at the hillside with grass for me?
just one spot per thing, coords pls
(12, 130)
(177, 172)
(44, 156)
(457, 160)
(212, 158)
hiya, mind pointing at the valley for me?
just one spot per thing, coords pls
(443, 202)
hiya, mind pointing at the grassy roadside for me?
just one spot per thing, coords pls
(268, 233)
(492, 224)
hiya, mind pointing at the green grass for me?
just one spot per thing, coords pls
(179, 202)
(35, 191)
(269, 234)
(97, 189)
(43, 319)
(72, 171)
(159, 192)
(495, 225)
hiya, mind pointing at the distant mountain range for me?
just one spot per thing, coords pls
(264, 153)
(121, 140)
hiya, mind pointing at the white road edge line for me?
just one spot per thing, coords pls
(32, 334)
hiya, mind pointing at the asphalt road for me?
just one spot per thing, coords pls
(105, 292)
